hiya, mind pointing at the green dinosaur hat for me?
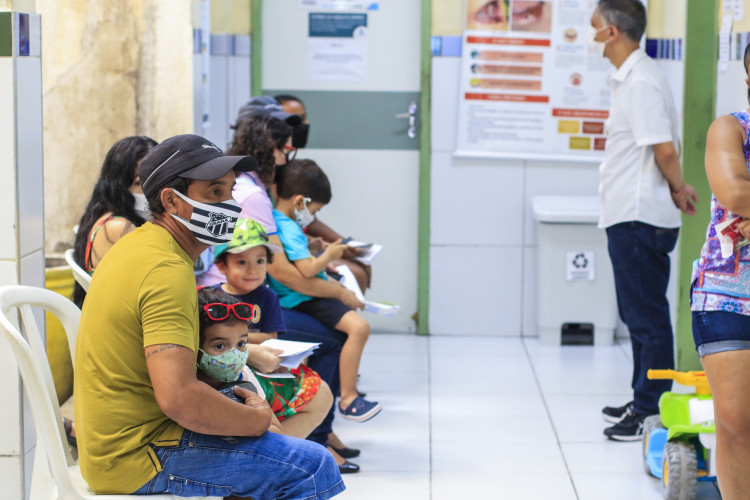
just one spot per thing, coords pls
(248, 234)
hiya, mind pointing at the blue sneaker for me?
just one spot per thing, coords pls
(360, 410)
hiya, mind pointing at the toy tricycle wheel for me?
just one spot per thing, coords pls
(649, 424)
(680, 466)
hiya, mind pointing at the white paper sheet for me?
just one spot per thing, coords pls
(350, 282)
(372, 252)
(294, 353)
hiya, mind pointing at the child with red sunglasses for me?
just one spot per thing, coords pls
(222, 358)
(299, 404)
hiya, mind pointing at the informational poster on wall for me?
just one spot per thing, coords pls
(530, 86)
(337, 47)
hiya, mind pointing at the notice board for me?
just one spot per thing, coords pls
(531, 87)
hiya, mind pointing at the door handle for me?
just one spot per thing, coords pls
(412, 116)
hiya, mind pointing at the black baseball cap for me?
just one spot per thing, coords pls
(189, 156)
(266, 105)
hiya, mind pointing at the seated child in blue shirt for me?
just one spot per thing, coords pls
(302, 190)
(243, 262)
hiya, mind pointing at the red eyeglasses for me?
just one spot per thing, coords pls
(290, 152)
(243, 311)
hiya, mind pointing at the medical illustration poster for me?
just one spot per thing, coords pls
(530, 85)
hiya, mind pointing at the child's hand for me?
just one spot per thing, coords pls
(316, 245)
(264, 359)
(351, 300)
(352, 252)
(335, 250)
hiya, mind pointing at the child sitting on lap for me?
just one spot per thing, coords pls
(223, 342)
(303, 189)
(243, 262)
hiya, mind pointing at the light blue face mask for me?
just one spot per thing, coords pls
(304, 217)
(225, 367)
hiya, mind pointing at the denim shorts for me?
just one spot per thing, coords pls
(720, 331)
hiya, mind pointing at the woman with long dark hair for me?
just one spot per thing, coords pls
(265, 138)
(117, 205)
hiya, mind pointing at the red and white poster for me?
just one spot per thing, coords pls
(530, 86)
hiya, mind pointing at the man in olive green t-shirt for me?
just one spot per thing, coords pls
(145, 424)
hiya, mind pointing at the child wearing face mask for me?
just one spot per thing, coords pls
(303, 189)
(223, 340)
(243, 261)
(300, 402)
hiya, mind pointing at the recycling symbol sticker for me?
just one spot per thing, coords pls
(579, 265)
(580, 261)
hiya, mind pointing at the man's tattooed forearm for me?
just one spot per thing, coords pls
(151, 350)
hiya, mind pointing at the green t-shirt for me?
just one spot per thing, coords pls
(142, 294)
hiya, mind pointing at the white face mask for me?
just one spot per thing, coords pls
(211, 223)
(141, 206)
(304, 217)
(594, 45)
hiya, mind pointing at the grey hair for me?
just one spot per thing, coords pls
(628, 15)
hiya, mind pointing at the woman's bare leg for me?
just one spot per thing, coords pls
(729, 376)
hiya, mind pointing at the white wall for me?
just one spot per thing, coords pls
(229, 83)
(21, 239)
(483, 244)
(483, 236)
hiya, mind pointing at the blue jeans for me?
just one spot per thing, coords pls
(267, 467)
(324, 360)
(720, 331)
(640, 261)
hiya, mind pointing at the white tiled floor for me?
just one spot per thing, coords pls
(494, 417)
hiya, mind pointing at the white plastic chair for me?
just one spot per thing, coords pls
(55, 476)
(82, 277)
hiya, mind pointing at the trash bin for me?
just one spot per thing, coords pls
(576, 301)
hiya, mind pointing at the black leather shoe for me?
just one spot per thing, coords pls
(348, 468)
(347, 452)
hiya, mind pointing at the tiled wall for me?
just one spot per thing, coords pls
(483, 233)
(229, 80)
(228, 76)
(21, 224)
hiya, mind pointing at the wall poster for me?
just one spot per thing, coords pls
(530, 86)
(337, 47)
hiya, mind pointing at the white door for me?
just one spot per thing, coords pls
(354, 83)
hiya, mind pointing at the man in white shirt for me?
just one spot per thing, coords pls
(642, 193)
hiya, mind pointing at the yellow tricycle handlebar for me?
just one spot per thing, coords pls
(695, 379)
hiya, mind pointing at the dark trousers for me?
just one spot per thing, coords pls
(324, 360)
(640, 261)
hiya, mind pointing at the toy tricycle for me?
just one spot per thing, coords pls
(679, 443)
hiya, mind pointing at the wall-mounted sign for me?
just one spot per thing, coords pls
(530, 85)
(337, 48)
